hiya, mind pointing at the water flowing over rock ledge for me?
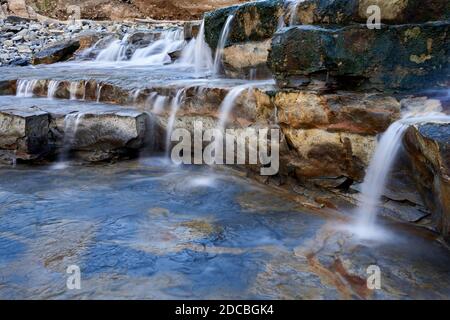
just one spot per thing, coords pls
(338, 87)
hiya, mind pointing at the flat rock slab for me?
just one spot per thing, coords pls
(98, 130)
(24, 131)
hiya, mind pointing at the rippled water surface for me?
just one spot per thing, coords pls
(146, 229)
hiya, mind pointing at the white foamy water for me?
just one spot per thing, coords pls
(176, 103)
(157, 53)
(51, 89)
(197, 53)
(293, 4)
(25, 88)
(116, 51)
(380, 166)
(221, 45)
(71, 124)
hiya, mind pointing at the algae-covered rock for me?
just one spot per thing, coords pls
(394, 57)
(253, 21)
(350, 11)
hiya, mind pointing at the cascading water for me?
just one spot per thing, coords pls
(51, 88)
(157, 53)
(116, 51)
(25, 88)
(71, 124)
(228, 103)
(198, 53)
(98, 92)
(158, 104)
(73, 90)
(221, 45)
(379, 168)
(176, 103)
(293, 4)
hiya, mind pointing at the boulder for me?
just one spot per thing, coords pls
(23, 134)
(345, 12)
(253, 21)
(247, 59)
(392, 58)
(318, 153)
(351, 112)
(103, 135)
(61, 51)
(428, 146)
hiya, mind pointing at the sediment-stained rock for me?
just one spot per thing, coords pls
(56, 53)
(104, 135)
(394, 57)
(253, 21)
(248, 59)
(23, 134)
(428, 146)
(319, 153)
(340, 112)
(392, 11)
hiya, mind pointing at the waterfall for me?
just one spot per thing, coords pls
(159, 104)
(381, 165)
(71, 124)
(116, 51)
(25, 88)
(98, 92)
(198, 53)
(221, 45)
(228, 104)
(51, 88)
(176, 103)
(157, 53)
(73, 90)
(293, 11)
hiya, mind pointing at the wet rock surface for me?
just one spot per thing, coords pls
(355, 11)
(394, 57)
(429, 148)
(92, 132)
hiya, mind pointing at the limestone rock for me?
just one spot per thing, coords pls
(319, 153)
(394, 57)
(350, 11)
(102, 135)
(243, 60)
(428, 145)
(23, 134)
(56, 53)
(342, 111)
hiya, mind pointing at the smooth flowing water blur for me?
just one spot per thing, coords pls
(147, 229)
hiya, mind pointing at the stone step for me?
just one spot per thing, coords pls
(34, 128)
(404, 57)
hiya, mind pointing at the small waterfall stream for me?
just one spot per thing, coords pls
(380, 166)
(198, 53)
(116, 51)
(176, 104)
(25, 88)
(221, 45)
(71, 124)
(51, 89)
